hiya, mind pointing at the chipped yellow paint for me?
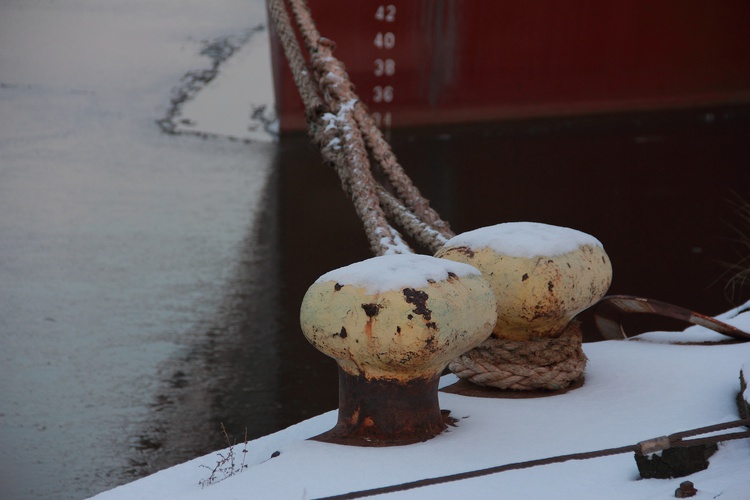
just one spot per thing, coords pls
(538, 296)
(398, 334)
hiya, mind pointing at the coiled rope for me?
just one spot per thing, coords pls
(339, 124)
(546, 364)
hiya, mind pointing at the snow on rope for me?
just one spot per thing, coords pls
(348, 138)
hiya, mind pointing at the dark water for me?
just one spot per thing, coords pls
(657, 188)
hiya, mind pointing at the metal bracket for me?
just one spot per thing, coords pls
(609, 311)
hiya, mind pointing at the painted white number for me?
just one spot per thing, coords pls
(382, 94)
(385, 40)
(385, 67)
(386, 13)
(382, 120)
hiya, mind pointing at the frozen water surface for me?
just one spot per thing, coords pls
(116, 237)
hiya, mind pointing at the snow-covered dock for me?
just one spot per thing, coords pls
(634, 390)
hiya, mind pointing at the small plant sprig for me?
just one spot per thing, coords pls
(227, 465)
(737, 284)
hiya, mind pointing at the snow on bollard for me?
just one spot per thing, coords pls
(542, 276)
(393, 323)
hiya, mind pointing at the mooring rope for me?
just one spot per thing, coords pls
(649, 446)
(525, 365)
(347, 136)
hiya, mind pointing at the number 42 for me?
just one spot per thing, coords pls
(386, 13)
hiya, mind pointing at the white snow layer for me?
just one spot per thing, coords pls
(395, 272)
(524, 239)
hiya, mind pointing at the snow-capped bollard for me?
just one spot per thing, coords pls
(542, 277)
(393, 324)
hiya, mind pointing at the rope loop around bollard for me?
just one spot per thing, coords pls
(547, 364)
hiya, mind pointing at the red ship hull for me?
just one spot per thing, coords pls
(422, 62)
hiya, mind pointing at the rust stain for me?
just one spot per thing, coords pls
(371, 309)
(544, 311)
(464, 250)
(354, 418)
(418, 299)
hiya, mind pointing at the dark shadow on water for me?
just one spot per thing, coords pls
(230, 375)
(652, 186)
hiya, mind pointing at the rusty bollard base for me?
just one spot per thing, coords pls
(386, 412)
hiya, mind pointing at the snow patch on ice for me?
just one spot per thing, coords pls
(239, 102)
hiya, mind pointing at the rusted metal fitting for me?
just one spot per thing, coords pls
(657, 460)
(653, 445)
(393, 324)
(685, 490)
(611, 310)
(382, 412)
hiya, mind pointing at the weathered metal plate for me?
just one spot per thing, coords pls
(609, 312)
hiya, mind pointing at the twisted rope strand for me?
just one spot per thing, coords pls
(307, 89)
(341, 135)
(425, 234)
(346, 135)
(405, 188)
